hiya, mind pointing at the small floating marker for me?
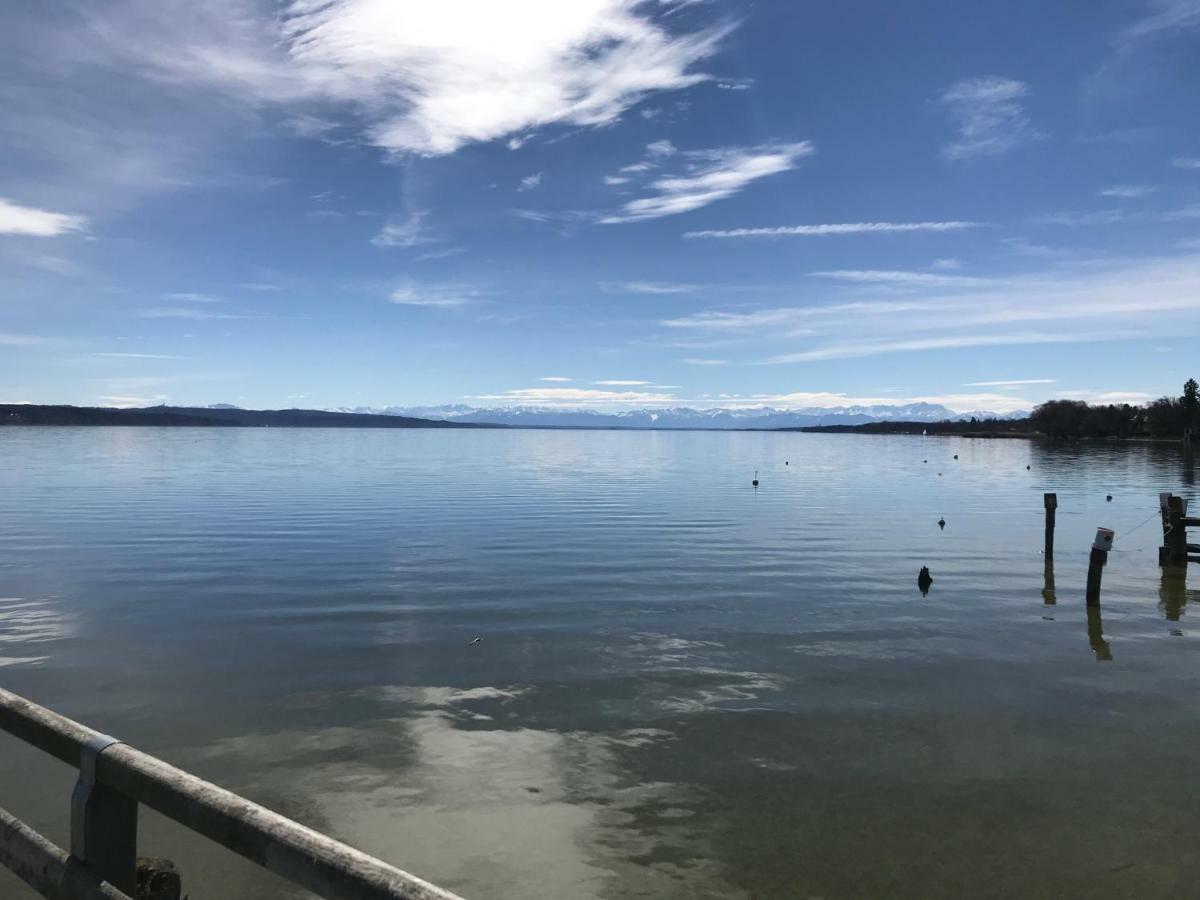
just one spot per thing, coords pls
(1108, 498)
(956, 456)
(939, 474)
(755, 481)
(924, 460)
(1027, 468)
(473, 643)
(942, 523)
(785, 462)
(924, 580)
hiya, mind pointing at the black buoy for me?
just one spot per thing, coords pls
(755, 481)
(1027, 468)
(1109, 498)
(785, 462)
(941, 523)
(956, 456)
(924, 580)
(924, 460)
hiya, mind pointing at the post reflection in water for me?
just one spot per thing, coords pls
(1095, 630)
(1172, 594)
(1048, 583)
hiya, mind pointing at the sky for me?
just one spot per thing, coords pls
(606, 204)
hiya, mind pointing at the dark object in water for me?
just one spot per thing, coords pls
(1027, 468)
(1109, 498)
(941, 524)
(755, 481)
(956, 456)
(473, 643)
(924, 580)
(785, 462)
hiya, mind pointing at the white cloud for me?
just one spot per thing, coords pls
(186, 312)
(615, 179)
(887, 276)
(650, 287)
(27, 220)
(404, 231)
(576, 397)
(989, 116)
(1185, 162)
(1011, 383)
(715, 175)
(661, 148)
(735, 84)
(21, 340)
(616, 382)
(1127, 191)
(696, 361)
(126, 402)
(832, 229)
(557, 378)
(442, 296)
(529, 182)
(429, 78)
(636, 168)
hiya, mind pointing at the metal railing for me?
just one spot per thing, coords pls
(114, 778)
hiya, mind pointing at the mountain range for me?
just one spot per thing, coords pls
(683, 416)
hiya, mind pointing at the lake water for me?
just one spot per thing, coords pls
(683, 687)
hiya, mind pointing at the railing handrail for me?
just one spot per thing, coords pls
(306, 857)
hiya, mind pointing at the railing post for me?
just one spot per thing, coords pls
(103, 822)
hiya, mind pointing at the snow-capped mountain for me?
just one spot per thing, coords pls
(683, 416)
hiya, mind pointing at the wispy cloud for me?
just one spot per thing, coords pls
(556, 378)
(1186, 162)
(1114, 300)
(28, 220)
(136, 356)
(1127, 191)
(429, 78)
(832, 229)
(7, 339)
(1016, 382)
(713, 175)
(404, 231)
(1077, 219)
(191, 313)
(443, 296)
(529, 182)
(649, 287)
(617, 382)
(1167, 16)
(888, 276)
(990, 116)
(701, 361)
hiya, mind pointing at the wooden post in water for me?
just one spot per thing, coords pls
(1100, 548)
(1050, 501)
(1164, 500)
(1175, 547)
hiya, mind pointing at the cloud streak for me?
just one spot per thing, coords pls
(714, 175)
(833, 229)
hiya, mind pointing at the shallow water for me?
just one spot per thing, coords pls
(684, 687)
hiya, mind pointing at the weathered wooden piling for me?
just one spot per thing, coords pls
(1048, 596)
(1174, 551)
(1050, 502)
(1100, 547)
(1095, 630)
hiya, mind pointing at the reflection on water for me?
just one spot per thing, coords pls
(682, 687)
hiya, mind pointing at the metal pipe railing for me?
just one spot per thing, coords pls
(122, 773)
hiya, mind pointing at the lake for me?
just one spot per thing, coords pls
(683, 686)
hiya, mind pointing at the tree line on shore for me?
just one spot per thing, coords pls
(1165, 417)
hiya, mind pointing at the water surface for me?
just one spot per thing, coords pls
(683, 687)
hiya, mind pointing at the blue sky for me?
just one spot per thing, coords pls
(598, 203)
